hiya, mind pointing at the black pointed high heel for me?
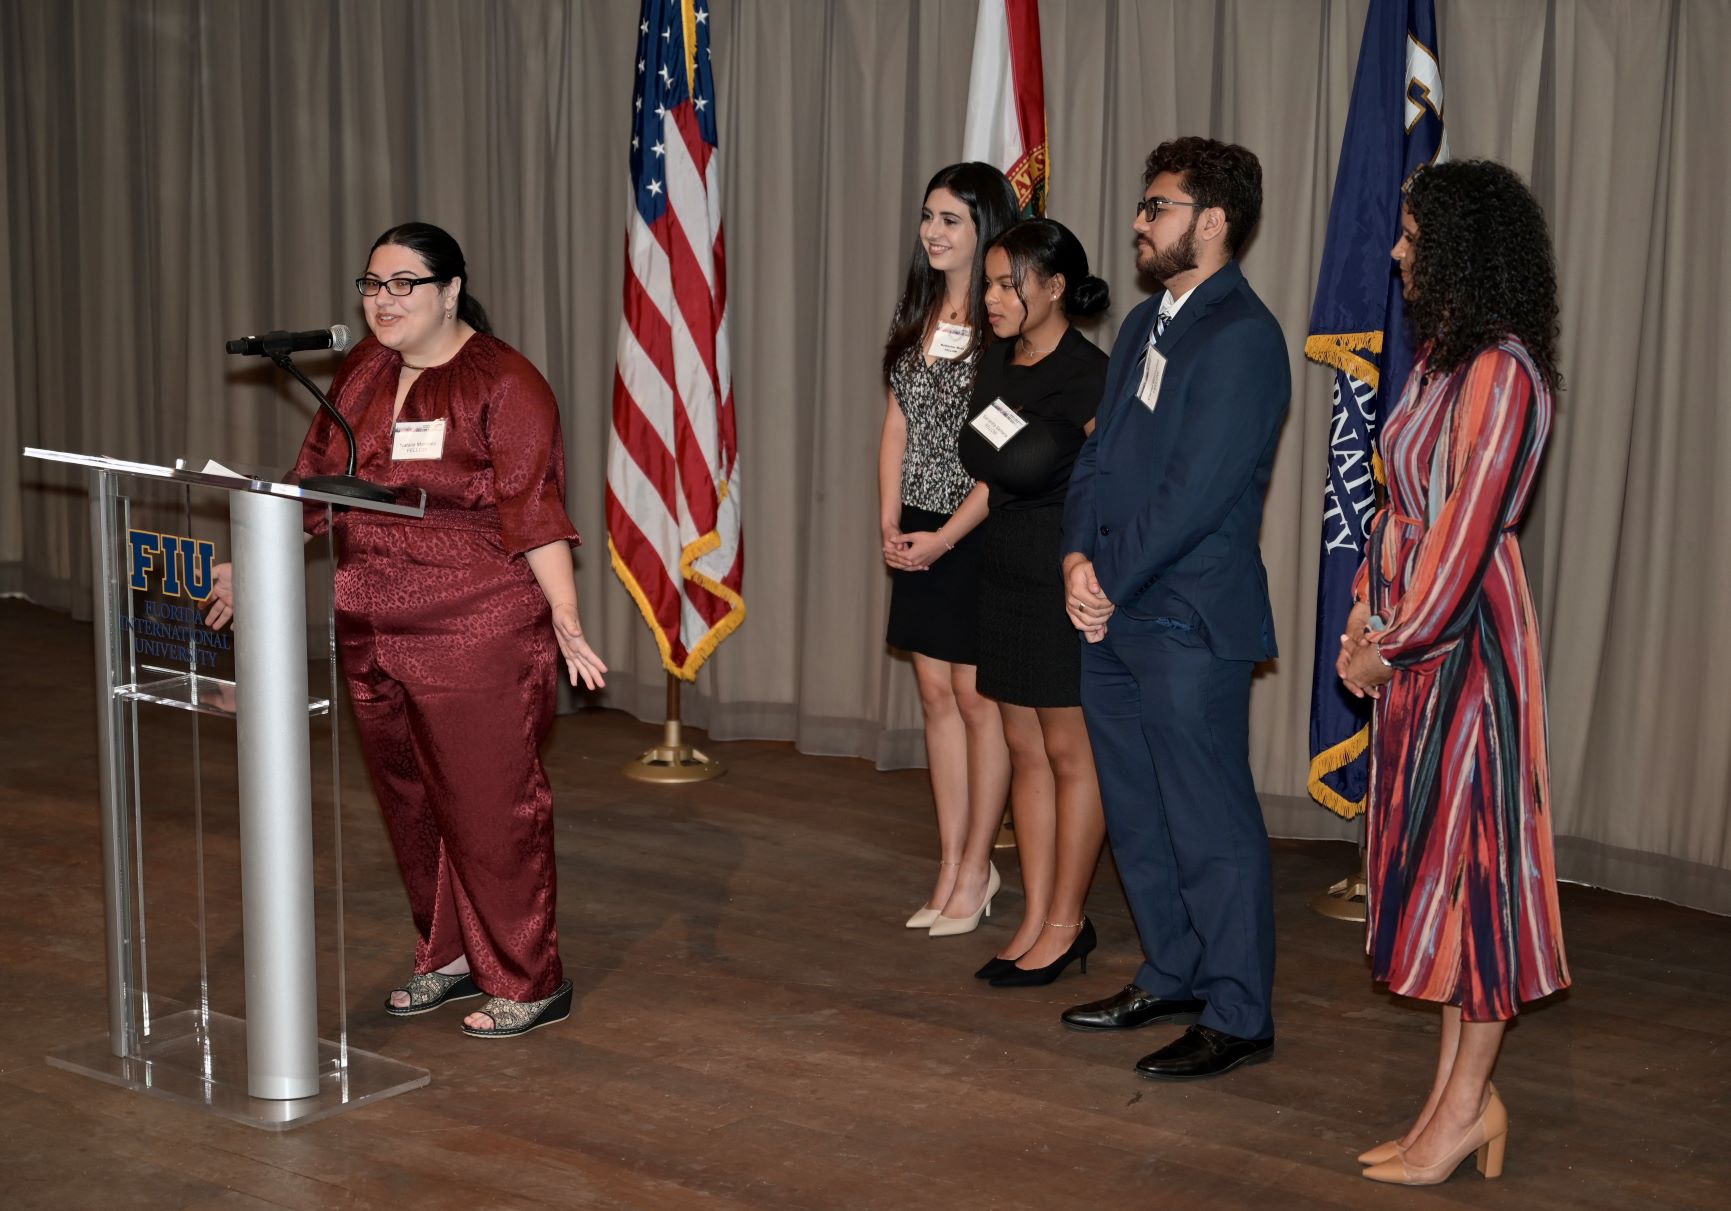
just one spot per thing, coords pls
(995, 966)
(1080, 949)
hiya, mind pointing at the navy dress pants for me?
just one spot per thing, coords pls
(1170, 727)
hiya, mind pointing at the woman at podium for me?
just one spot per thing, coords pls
(451, 627)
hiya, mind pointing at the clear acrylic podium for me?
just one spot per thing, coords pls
(184, 857)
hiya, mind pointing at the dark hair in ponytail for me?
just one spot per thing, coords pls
(444, 259)
(1050, 249)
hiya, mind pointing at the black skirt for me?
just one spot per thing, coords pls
(1030, 654)
(933, 613)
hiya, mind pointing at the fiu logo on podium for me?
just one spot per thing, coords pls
(183, 565)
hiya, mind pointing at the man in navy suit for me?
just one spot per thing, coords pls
(1164, 578)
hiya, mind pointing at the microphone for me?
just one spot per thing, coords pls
(277, 346)
(336, 337)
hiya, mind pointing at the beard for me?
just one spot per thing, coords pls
(1165, 264)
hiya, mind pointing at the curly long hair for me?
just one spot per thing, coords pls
(1482, 266)
(991, 203)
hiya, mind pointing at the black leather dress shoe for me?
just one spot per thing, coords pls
(1203, 1051)
(1129, 1009)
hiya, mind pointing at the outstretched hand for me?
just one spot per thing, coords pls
(219, 611)
(580, 659)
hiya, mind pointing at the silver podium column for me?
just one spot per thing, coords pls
(276, 842)
(111, 716)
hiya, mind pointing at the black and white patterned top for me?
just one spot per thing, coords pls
(935, 400)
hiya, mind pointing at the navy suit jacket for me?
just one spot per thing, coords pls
(1168, 502)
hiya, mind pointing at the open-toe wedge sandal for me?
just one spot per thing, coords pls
(512, 1018)
(428, 990)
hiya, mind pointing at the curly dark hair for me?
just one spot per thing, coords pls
(1482, 265)
(1214, 174)
(991, 203)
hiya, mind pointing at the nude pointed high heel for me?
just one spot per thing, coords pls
(1385, 1151)
(946, 927)
(1488, 1138)
(924, 917)
(1389, 1149)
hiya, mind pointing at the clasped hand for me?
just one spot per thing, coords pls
(1085, 602)
(912, 552)
(1361, 669)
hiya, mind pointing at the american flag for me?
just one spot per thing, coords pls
(673, 524)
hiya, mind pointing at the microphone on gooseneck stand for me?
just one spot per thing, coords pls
(277, 346)
(336, 337)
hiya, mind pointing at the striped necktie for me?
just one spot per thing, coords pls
(1160, 322)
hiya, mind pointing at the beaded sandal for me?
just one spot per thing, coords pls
(429, 989)
(512, 1018)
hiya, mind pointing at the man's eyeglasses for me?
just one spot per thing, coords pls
(1150, 208)
(400, 287)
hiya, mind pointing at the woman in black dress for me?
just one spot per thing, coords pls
(928, 509)
(1034, 403)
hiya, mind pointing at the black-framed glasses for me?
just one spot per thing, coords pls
(1150, 208)
(399, 287)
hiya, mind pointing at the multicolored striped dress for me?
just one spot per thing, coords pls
(1462, 901)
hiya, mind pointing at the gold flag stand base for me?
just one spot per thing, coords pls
(1344, 901)
(1006, 833)
(673, 760)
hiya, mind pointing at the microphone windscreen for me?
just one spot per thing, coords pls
(341, 338)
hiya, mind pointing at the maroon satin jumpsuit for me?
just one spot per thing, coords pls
(447, 645)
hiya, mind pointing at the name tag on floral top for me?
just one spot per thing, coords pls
(418, 439)
(998, 423)
(950, 341)
(1153, 370)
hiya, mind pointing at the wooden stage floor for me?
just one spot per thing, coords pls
(754, 1029)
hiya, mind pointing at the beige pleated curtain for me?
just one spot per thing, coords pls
(176, 172)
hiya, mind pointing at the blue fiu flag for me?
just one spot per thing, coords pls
(1394, 126)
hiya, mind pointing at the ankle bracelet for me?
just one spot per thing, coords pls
(1058, 925)
(949, 863)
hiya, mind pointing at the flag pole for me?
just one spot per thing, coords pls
(1345, 900)
(1394, 126)
(673, 760)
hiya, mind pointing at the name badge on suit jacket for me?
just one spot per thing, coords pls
(1153, 370)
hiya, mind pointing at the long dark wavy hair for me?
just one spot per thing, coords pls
(991, 202)
(1049, 248)
(444, 258)
(1482, 266)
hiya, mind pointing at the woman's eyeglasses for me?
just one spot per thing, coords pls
(399, 287)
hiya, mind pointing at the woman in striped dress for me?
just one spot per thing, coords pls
(1462, 901)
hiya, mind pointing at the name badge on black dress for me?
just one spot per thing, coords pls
(998, 423)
